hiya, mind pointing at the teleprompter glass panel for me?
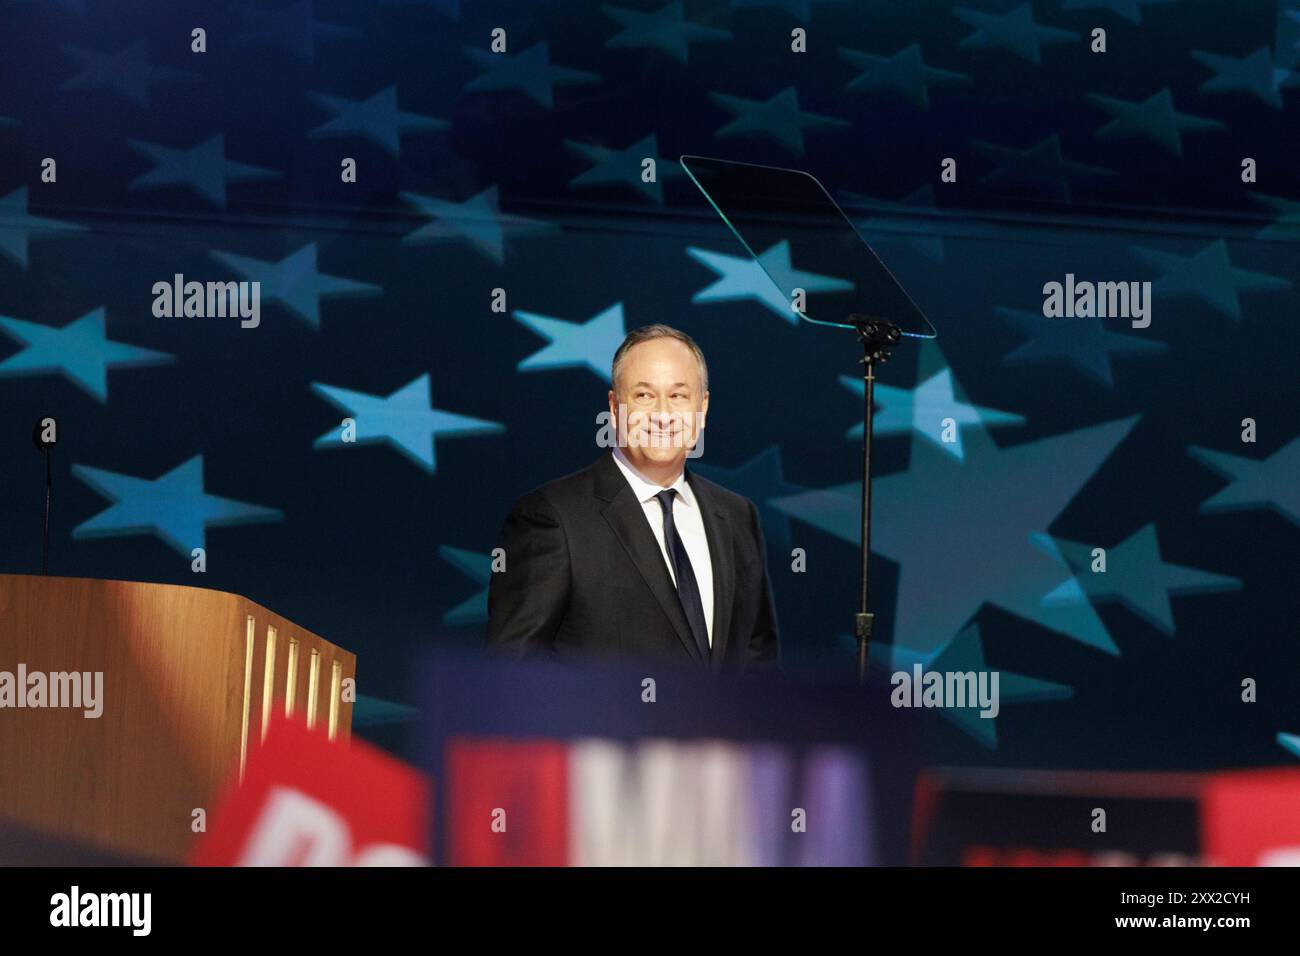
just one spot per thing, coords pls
(803, 241)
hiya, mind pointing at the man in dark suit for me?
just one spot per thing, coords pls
(635, 558)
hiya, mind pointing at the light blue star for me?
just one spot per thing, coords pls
(373, 712)
(766, 279)
(965, 654)
(80, 351)
(623, 166)
(589, 344)
(1130, 10)
(378, 119)
(203, 168)
(17, 227)
(777, 117)
(478, 219)
(666, 29)
(761, 479)
(1286, 35)
(1208, 276)
(405, 420)
(1154, 118)
(295, 282)
(1136, 576)
(126, 72)
(1041, 168)
(478, 568)
(923, 411)
(1270, 483)
(1289, 742)
(529, 72)
(1082, 342)
(1015, 31)
(1287, 225)
(293, 28)
(955, 552)
(174, 507)
(905, 73)
(1254, 74)
(909, 221)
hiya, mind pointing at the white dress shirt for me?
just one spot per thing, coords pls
(688, 521)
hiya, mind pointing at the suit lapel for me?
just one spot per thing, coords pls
(627, 520)
(721, 553)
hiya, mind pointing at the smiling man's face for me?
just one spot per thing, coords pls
(658, 403)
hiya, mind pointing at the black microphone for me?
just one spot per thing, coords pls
(46, 446)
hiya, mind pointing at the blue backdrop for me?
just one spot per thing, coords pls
(520, 171)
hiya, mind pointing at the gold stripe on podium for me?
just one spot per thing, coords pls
(336, 691)
(268, 680)
(313, 680)
(291, 680)
(250, 638)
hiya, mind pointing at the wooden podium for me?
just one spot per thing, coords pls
(190, 678)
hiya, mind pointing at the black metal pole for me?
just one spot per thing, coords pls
(878, 337)
(45, 536)
(864, 618)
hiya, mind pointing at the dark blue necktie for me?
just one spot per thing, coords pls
(688, 589)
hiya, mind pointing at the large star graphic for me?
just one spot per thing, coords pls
(125, 72)
(1289, 742)
(404, 420)
(529, 72)
(203, 168)
(1136, 576)
(909, 221)
(1209, 276)
(589, 344)
(904, 73)
(778, 118)
(174, 507)
(1040, 168)
(1254, 74)
(925, 410)
(81, 351)
(1271, 483)
(966, 532)
(965, 654)
(17, 227)
(665, 29)
(1082, 342)
(378, 119)
(293, 28)
(478, 220)
(1015, 31)
(767, 279)
(478, 568)
(295, 282)
(1154, 118)
(623, 166)
(761, 480)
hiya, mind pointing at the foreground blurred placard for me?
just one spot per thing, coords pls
(549, 766)
(1070, 818)
(310, 801)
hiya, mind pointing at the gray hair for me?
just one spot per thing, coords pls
(659, 331)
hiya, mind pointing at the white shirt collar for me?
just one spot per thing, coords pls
(645, 489)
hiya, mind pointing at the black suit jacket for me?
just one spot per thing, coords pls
(584, 578)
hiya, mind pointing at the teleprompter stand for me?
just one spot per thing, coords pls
(877, 336)
(800, 237)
